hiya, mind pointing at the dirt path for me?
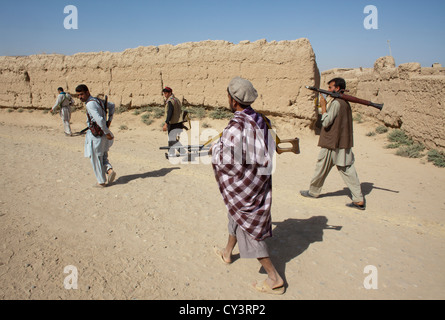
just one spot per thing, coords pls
(151, 234)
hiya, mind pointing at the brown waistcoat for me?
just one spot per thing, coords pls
(176, 117)
(339, 134)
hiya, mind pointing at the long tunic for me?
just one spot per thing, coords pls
(242, 166)
(64, 101)
(341, 157)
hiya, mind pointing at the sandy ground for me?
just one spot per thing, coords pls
(151, 234)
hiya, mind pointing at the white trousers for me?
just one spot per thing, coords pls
(65, 115)
(100, 167)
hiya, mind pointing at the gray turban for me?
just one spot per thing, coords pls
(242, 91)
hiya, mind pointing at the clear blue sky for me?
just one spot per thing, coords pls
(335, 29)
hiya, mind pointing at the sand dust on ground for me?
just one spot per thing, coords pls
(151, 234)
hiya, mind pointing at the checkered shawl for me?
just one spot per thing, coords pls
(240, 162)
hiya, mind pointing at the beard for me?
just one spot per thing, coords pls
(232, 107)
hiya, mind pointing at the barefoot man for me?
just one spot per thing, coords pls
(241, 163)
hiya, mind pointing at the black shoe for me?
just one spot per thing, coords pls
(305, 193)
(354, 205)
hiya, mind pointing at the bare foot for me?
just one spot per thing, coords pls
(100, 185)
(220, 254)
(278, 283)
(269, 286)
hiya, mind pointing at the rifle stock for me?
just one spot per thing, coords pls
(347, 98)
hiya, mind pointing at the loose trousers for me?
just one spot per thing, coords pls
(174, 131)
(65, 115)
(100, 167)
(348, 173)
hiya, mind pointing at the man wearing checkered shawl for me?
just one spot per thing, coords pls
(242, 163)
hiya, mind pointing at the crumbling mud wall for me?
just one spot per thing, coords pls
(198, 73)
(413, 97)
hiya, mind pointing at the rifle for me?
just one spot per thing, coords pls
(192, 148)
(295, 143)
(346, 97)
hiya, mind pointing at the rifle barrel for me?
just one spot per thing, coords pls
(347, 98)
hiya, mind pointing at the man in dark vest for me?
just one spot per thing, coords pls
(173, 122)
(336, 142)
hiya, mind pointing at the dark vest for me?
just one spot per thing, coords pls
(176, 117)
(339, 134)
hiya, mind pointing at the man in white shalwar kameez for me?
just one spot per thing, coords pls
(64, 102)
(97, 146)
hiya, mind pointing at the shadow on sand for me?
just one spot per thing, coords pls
(292, 237)
(151, 174)
(367, 188)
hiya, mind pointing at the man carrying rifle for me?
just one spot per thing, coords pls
(64, 102)
(336, 142)
(173, 124)
(240, 160)
(99, 138)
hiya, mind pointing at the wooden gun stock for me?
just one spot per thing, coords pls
(295, 146)
(361, 101)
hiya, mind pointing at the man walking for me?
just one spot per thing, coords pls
(173, 122)
(64, 102)
(242, 165)
(99, 138)
(336, 142)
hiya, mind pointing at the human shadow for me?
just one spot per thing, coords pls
(294, 236)
(77, 134)
(366, 187)
(151, 174)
